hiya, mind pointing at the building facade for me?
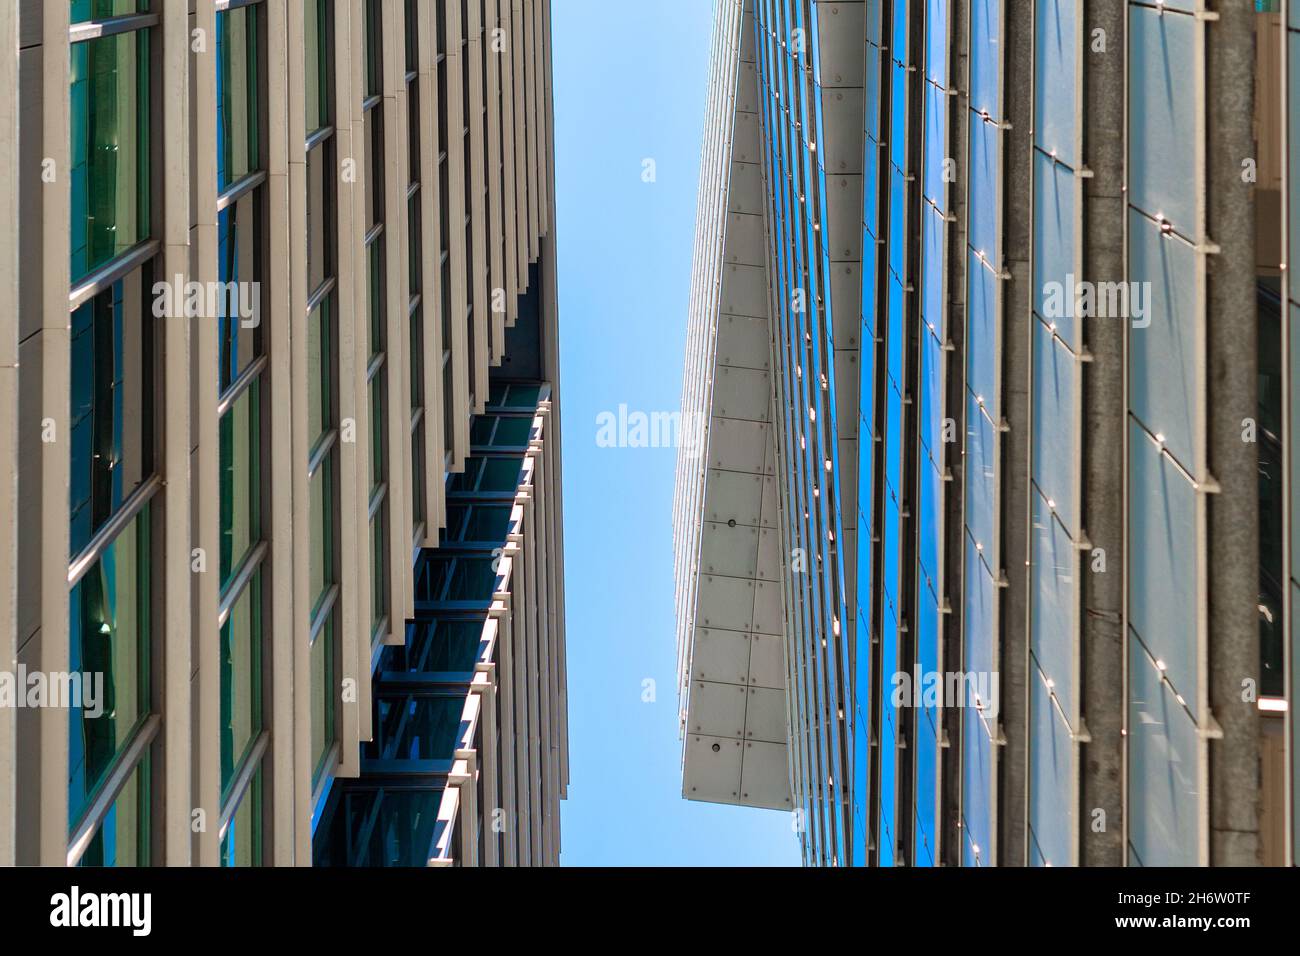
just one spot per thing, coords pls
(285, 278)
(1020, 269)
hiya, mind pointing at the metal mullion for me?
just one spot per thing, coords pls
(108, 533)
(319, 136)
(111, 26)
(101, 279)
(240, 385)
(323, 612)
(234, 590)
(249, 764)
(240, 188)
(323, 447)
(123, 767)
(322, 291)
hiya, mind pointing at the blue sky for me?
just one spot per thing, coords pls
(630, 84)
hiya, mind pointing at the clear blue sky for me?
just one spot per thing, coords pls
(630, 84)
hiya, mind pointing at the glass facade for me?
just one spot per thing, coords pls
(414, 804)
(997, 400)
(242, 387)
(112, 448)
(277, 303)
(791, 96)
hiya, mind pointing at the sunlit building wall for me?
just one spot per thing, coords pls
(1044, 461)
(274, 260)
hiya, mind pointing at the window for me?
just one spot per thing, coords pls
(111, 403)
(316, 60)
(377, 370)
(238, 89)
(109, 120)
(241, 236)
(241, 666)
(109, 633)
(322, 372)
(111, 444)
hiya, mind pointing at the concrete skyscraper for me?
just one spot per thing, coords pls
(987, 555)
(279, 416)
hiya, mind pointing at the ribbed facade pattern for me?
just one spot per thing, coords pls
(311, 242)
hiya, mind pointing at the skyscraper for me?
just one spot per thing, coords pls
(279, 433)
(1010, 278)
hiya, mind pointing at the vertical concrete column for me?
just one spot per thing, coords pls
(352, 551)
(1101, 775)
(1231, 359)
(44, 441)
(514, 282)
(494, 51)
(501, 612)
(174, 574)
(952, 653)
(287, 292)
(457, 171)
(9, 276)
(298, 634)
(475, 166)
(397, 293)
(353, 352)
(206, 440)
(1017, 216)
(431, 273)
(518, 45)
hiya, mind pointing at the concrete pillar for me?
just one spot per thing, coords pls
(1233, 541)
(1101, 777)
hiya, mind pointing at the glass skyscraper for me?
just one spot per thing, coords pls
(989, 356)
(280, 474)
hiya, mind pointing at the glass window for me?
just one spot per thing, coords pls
(316, 60)
(487, 474)
(320, 222)
(376, 276)
(111, 404)
(417, 480)
(413, 214)
(241, 679)
(239, 476)
(378, 571)
(239, 269)
(374, 140)
(322, 694)
(377, 427)
(417, 727)
(412, 36)
(83, 10)
(110, 170)
(320, 415)
(123, 836)
(242, 844)
(322, 529)
(374, 48)
(413, 128)
(417, 358)
(501, 432)
(109, 638)
(237, 94)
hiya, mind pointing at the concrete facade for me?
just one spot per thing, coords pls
(274, 485)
